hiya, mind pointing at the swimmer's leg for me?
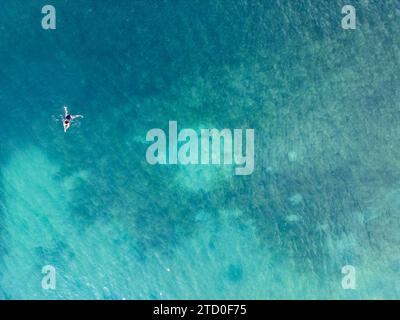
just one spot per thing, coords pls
(66, 126)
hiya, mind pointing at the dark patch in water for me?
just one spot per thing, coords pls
(235, 273)
(211, 245)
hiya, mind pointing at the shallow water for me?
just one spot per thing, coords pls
(325, 192)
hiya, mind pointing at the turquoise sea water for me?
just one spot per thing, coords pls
(325, 192)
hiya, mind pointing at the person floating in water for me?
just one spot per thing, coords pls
(68, 119)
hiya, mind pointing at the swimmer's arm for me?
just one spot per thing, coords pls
(66, 111)
(76, 116)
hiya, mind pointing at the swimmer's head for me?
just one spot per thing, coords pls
(68, 117)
